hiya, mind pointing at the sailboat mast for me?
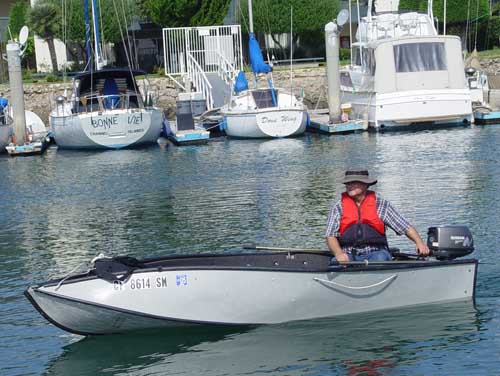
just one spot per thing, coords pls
(250, 15)
(87, 33)
(97, 37)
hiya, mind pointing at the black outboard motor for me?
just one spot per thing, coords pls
(449, 242)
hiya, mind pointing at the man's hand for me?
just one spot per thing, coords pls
(342, 257)
(422, 249)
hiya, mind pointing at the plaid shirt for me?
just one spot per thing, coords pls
(386, 212)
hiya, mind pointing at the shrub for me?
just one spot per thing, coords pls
(51, 78)
(345, 54)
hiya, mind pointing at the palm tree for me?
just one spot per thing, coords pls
(45, 21)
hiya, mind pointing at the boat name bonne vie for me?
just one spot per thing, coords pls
(107, 122)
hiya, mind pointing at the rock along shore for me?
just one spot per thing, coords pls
(40, 97)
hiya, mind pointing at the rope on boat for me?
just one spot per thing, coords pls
(92, 262)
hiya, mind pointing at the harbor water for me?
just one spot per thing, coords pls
(60, 210)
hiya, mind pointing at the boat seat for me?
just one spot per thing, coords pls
(408, 23)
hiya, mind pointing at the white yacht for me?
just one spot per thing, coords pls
(403, 73)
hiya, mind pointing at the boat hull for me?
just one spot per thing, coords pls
(230, 295)
(106, 130)
(407, 109)
(269, 123)
(264, 113)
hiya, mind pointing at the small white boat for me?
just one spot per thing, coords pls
(5, 124)
(105, 111)
(5, 134)
(123, 294)
(37, 138)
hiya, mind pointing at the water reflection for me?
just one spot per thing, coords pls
(355, 344)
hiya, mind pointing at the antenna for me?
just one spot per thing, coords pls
(23, 38)
(23, 35)
(342, 17)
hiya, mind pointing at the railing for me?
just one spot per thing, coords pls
(199, 80)
(226, 71)
(396, 25)
(104, 103)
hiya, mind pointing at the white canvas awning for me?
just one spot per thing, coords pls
(383, 6)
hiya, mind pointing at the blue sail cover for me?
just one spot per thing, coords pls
(241, 83)
(256, 59)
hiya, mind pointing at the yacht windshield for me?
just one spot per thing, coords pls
(419, 57)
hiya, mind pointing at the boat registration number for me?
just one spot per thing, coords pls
(141, 283)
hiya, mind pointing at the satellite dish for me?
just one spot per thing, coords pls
(342, 17)
(23, 35)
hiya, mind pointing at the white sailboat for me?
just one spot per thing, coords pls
(262, 112)
(106, 109)
(403, 73)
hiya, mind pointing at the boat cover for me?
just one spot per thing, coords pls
(256, 59)
(241, 83)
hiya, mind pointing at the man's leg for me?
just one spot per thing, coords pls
(380, 255)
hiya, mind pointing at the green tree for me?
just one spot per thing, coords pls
(457, 11)
(45, 21)
(170, 13)
(182, 13)
(211, 12)
(273, 17)
(17, 19)
(309, 18)
(114, 16)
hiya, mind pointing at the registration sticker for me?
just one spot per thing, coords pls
(181, 279)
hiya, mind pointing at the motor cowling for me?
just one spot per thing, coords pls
(449, 242)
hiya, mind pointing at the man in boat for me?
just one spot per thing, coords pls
(357, 222)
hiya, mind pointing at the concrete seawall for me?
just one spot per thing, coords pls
(307, 81)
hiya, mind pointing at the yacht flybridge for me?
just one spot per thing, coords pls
(403, 73)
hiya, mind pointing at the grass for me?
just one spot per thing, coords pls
(490, 54)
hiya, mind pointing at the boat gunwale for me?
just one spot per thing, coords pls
(329, 268)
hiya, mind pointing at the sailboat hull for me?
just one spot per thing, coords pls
(269, 123)
(106, 130)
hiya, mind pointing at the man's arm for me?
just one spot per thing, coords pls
(392, 218)
(422, 248)
(336, 249)
(332, 233)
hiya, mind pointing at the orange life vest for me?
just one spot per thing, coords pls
(361, 225)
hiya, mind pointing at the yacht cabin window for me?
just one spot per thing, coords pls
(365, 57)
(420, 57)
